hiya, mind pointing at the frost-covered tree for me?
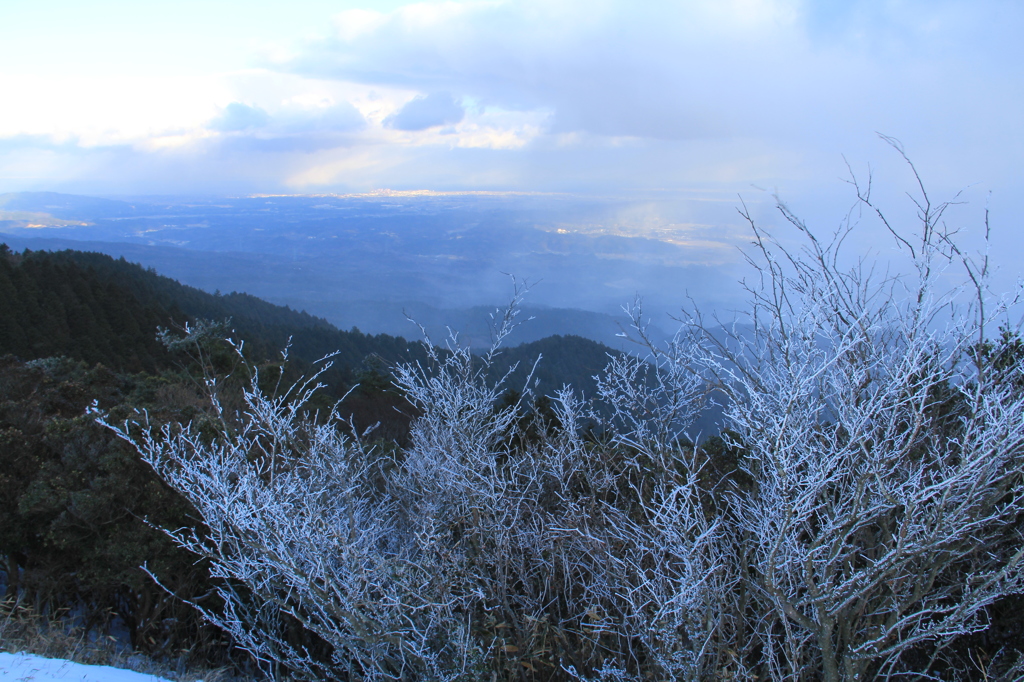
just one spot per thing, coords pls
(885, 453)
(474, 551)
(874, 517)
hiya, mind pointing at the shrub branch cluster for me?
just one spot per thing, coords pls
(869, 519)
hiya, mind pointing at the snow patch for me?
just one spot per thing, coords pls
(32, 668)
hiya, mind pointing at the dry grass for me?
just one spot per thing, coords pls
(24, 630)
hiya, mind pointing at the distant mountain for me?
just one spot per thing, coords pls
(66, 206)
(475, 325)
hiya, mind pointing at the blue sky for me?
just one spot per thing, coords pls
(593, 96)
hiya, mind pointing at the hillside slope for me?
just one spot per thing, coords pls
(91, 307)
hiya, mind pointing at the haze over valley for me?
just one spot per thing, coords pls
(368, 261)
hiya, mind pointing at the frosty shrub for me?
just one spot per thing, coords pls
(872, 516)
(885, 453)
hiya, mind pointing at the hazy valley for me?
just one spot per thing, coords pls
(368, 261)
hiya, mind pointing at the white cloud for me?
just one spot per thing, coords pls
(702, 69)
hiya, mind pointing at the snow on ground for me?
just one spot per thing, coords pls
(31, 668)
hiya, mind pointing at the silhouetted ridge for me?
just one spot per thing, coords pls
(65, 206)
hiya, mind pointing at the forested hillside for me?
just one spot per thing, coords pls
(91, 307)
(78, 331)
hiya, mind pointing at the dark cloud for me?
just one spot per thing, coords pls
(435, 109)
(238, 117)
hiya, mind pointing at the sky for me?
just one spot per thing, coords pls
(600, 97)
(121, 97)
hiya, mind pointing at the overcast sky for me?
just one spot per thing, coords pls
(119, 97)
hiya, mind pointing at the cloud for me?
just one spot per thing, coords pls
(237, 117)
(244, 147)
(420, 113)
(261, 149)
(336, 118)
(290, 129)
(785, 69)
(17, 143)
(658, 70)
(288, 120)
